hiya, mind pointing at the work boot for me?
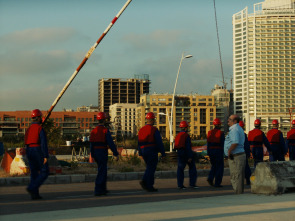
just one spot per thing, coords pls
(182, 188)
(142, 184)
(152, 190)
(210, 182)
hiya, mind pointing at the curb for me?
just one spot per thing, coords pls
(84, 178)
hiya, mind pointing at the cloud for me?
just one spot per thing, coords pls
(36, 37)
(158, 39)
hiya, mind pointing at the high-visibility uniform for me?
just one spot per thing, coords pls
(149, 145)
(290, 143)
(277, 145)
(36, 150)
(183, 147)
(215, 150)
(257, 138)
(100, 139)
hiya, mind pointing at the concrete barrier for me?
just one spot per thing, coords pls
(273, 177)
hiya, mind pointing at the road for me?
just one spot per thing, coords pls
(127, 201)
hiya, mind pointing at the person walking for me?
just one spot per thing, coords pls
(183, 146)
(277, 143)
(100, 140)
(215, 149)
(37, 154)
(290, 143)
(149, 144)
(257, 139)
(247, 152)
(234, 149)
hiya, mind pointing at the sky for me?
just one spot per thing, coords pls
(43, 42)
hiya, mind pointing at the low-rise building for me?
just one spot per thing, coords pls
(71, 123)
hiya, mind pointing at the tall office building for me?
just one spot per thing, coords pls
(264, 63)
(116, 90)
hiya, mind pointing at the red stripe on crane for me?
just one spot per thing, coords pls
(114, 20)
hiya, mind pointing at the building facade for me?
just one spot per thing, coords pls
(264, 63)
(123, 117)
(224, 104)
(198, 110)
(71, 123)
(117, 90)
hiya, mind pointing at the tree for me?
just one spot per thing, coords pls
(54, 137)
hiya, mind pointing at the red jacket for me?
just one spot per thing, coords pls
(273, 136)
(291, 134)
(32, 137)
(146, 136)
(180, 140)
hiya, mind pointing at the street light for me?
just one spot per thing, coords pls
(170, 129)
(172, 107)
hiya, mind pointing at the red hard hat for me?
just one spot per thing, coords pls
(275, 122)
(293, 121)
(183, 124)
(36, 113)
(241, 123)
(257, 122)
(101, 116)
(216, 121)
(150, 115)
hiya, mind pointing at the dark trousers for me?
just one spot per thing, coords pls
(247, 172)
(257, 153)
(101, 158)
(292, 153)
(182, 162)
(217, 166)
(150, 157)
(39, 171)
(277, 153)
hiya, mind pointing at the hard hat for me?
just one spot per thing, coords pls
(216, 121)
(241, 123)
(150, 115)
(293, 121)
(36, 113)
(101, 116)
(275, 122)
(183, 124)
(257, 122)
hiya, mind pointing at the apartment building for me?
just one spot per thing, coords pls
(123, 117)
(71, 123)
(117, 90)
(198, 110)
(264, 63)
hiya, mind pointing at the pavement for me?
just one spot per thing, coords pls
(127, 201)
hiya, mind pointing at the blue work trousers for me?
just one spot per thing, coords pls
(39, 170)
(277, 154)
(101, 158)
(182, 162)
(150, 156)
(217, 166)
(257, 153)
(247, 172)
(292, 153)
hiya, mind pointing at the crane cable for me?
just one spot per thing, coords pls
(224, 84)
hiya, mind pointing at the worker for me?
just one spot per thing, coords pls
(215, 151)
(183, 146)
(37, 154)
(277, 143)
(149, 145)
(100, 140)
(290, 143)
(247, 151)
(257, 139)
